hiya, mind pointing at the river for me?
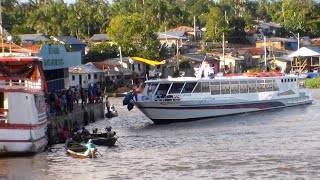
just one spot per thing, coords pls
(277, 144)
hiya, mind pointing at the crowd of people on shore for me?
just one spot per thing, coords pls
(63, 101)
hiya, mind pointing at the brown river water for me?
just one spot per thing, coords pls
(276, 144)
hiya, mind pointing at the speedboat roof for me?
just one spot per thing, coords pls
(224, 78)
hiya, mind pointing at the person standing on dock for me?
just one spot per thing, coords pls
(70, 100)
(76, 96)
(83, 95)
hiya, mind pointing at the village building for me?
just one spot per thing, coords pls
(56, 60)
(197, 59)
(85, 75)
(72, 43)
(99, 38)
(176, 39)
(251, 56)
(279, 43)
(306, 59)
(268, 28)
(192, 33)
(279, 64)
(33, 39)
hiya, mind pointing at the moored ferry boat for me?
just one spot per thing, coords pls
(23, 118)
(190, 98)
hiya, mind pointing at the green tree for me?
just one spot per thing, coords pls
(275, 11)
(262, 11)
(101, 51)
(237, 30)
(216, 24)
(134, 33)
(294, 14)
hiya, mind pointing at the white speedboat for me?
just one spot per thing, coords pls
(23, 118)
(190, 98)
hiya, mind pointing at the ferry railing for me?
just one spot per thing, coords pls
(19, 83)
(3, 115)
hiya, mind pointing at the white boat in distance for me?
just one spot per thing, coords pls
(190, 98)
(23, 118)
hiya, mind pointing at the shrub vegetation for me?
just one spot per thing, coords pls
(313, 83)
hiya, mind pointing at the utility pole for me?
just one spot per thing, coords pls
(178, 53)
(1, 33)
(298, 41)
(224, 60)
(165, 31)
(194, 28)
(88, 30)
(120, 54)
(265, 52)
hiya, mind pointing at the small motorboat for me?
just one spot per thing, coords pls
(102, 140)
(112, 113)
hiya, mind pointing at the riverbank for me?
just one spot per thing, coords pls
(79, 116)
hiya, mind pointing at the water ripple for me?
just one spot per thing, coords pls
(277, 144)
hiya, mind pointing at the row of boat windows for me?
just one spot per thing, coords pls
(224, 87)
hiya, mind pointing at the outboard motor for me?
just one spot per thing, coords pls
(113, 112)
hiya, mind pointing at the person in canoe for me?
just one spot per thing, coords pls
(91, 149)
(110, 134)
(85, 133)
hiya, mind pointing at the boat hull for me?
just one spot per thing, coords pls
(172, 112)
(75, 149)
(23, 139)
(24, 128)
(102, 140)
(23, 117)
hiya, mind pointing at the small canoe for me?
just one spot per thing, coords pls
(75, 149)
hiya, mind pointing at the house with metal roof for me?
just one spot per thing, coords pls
(251, 56)
(268, 27)
(85, 75)
(177, 38)
(172, 37)
(32, 39)
(74, 43)
(306, 59)
(280, 43)
(192, 32)
(99, 38)
(197, 60)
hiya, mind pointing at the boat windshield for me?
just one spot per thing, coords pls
(176, 88)
(163, 89)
